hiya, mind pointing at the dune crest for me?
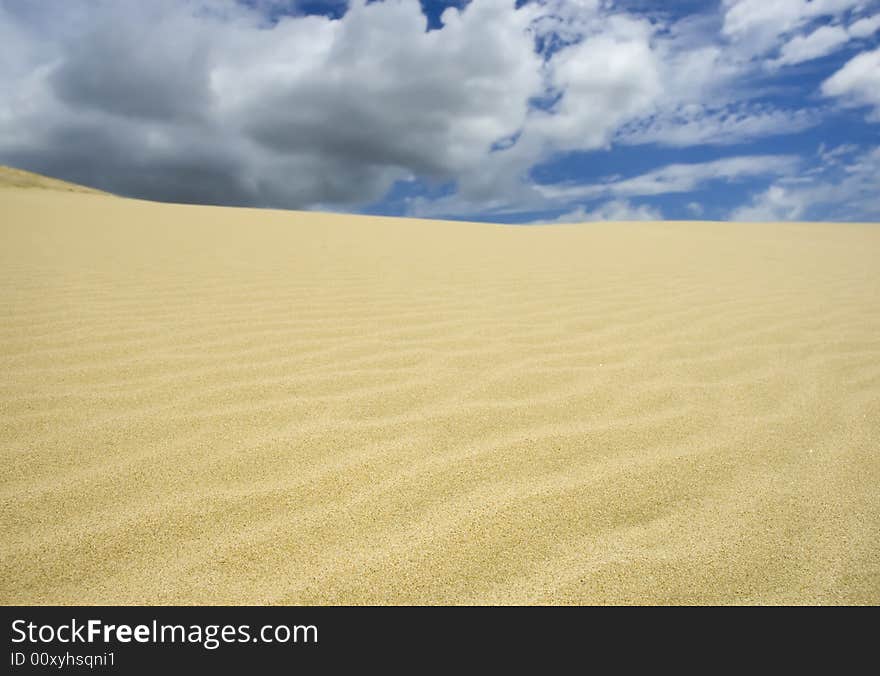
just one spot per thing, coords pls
(207, 405)
(19, 178)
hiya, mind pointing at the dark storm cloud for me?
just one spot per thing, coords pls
(208, 102)
(108, 156)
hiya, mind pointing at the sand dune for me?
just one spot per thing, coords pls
(207, 405)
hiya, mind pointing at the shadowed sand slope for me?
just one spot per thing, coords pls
(204, 405)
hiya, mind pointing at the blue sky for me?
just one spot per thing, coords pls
(519, 112)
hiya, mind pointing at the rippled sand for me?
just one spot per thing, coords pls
(205, 405)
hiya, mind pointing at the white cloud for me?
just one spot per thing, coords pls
(605, 80)
(759, 26)
(613, 210)
(858, 83)
(607, 71)
(834, 190)
(864, 28)
(820, 42)
(695, 208)
(705, 97)
(777, 203)
(612, 76)
(823, 41)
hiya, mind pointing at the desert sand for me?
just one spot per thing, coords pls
(212, 405)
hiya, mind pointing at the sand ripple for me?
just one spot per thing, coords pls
(208, 405)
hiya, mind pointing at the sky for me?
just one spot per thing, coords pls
(538, 111)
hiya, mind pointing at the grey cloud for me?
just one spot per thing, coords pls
(115, 156)
(122, 69)
(200, 101)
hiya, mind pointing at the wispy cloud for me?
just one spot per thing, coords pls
(677, 178)
(844, 185)
(699, 124)
(613, 210)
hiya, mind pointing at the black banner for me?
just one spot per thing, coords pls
(280, 639)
